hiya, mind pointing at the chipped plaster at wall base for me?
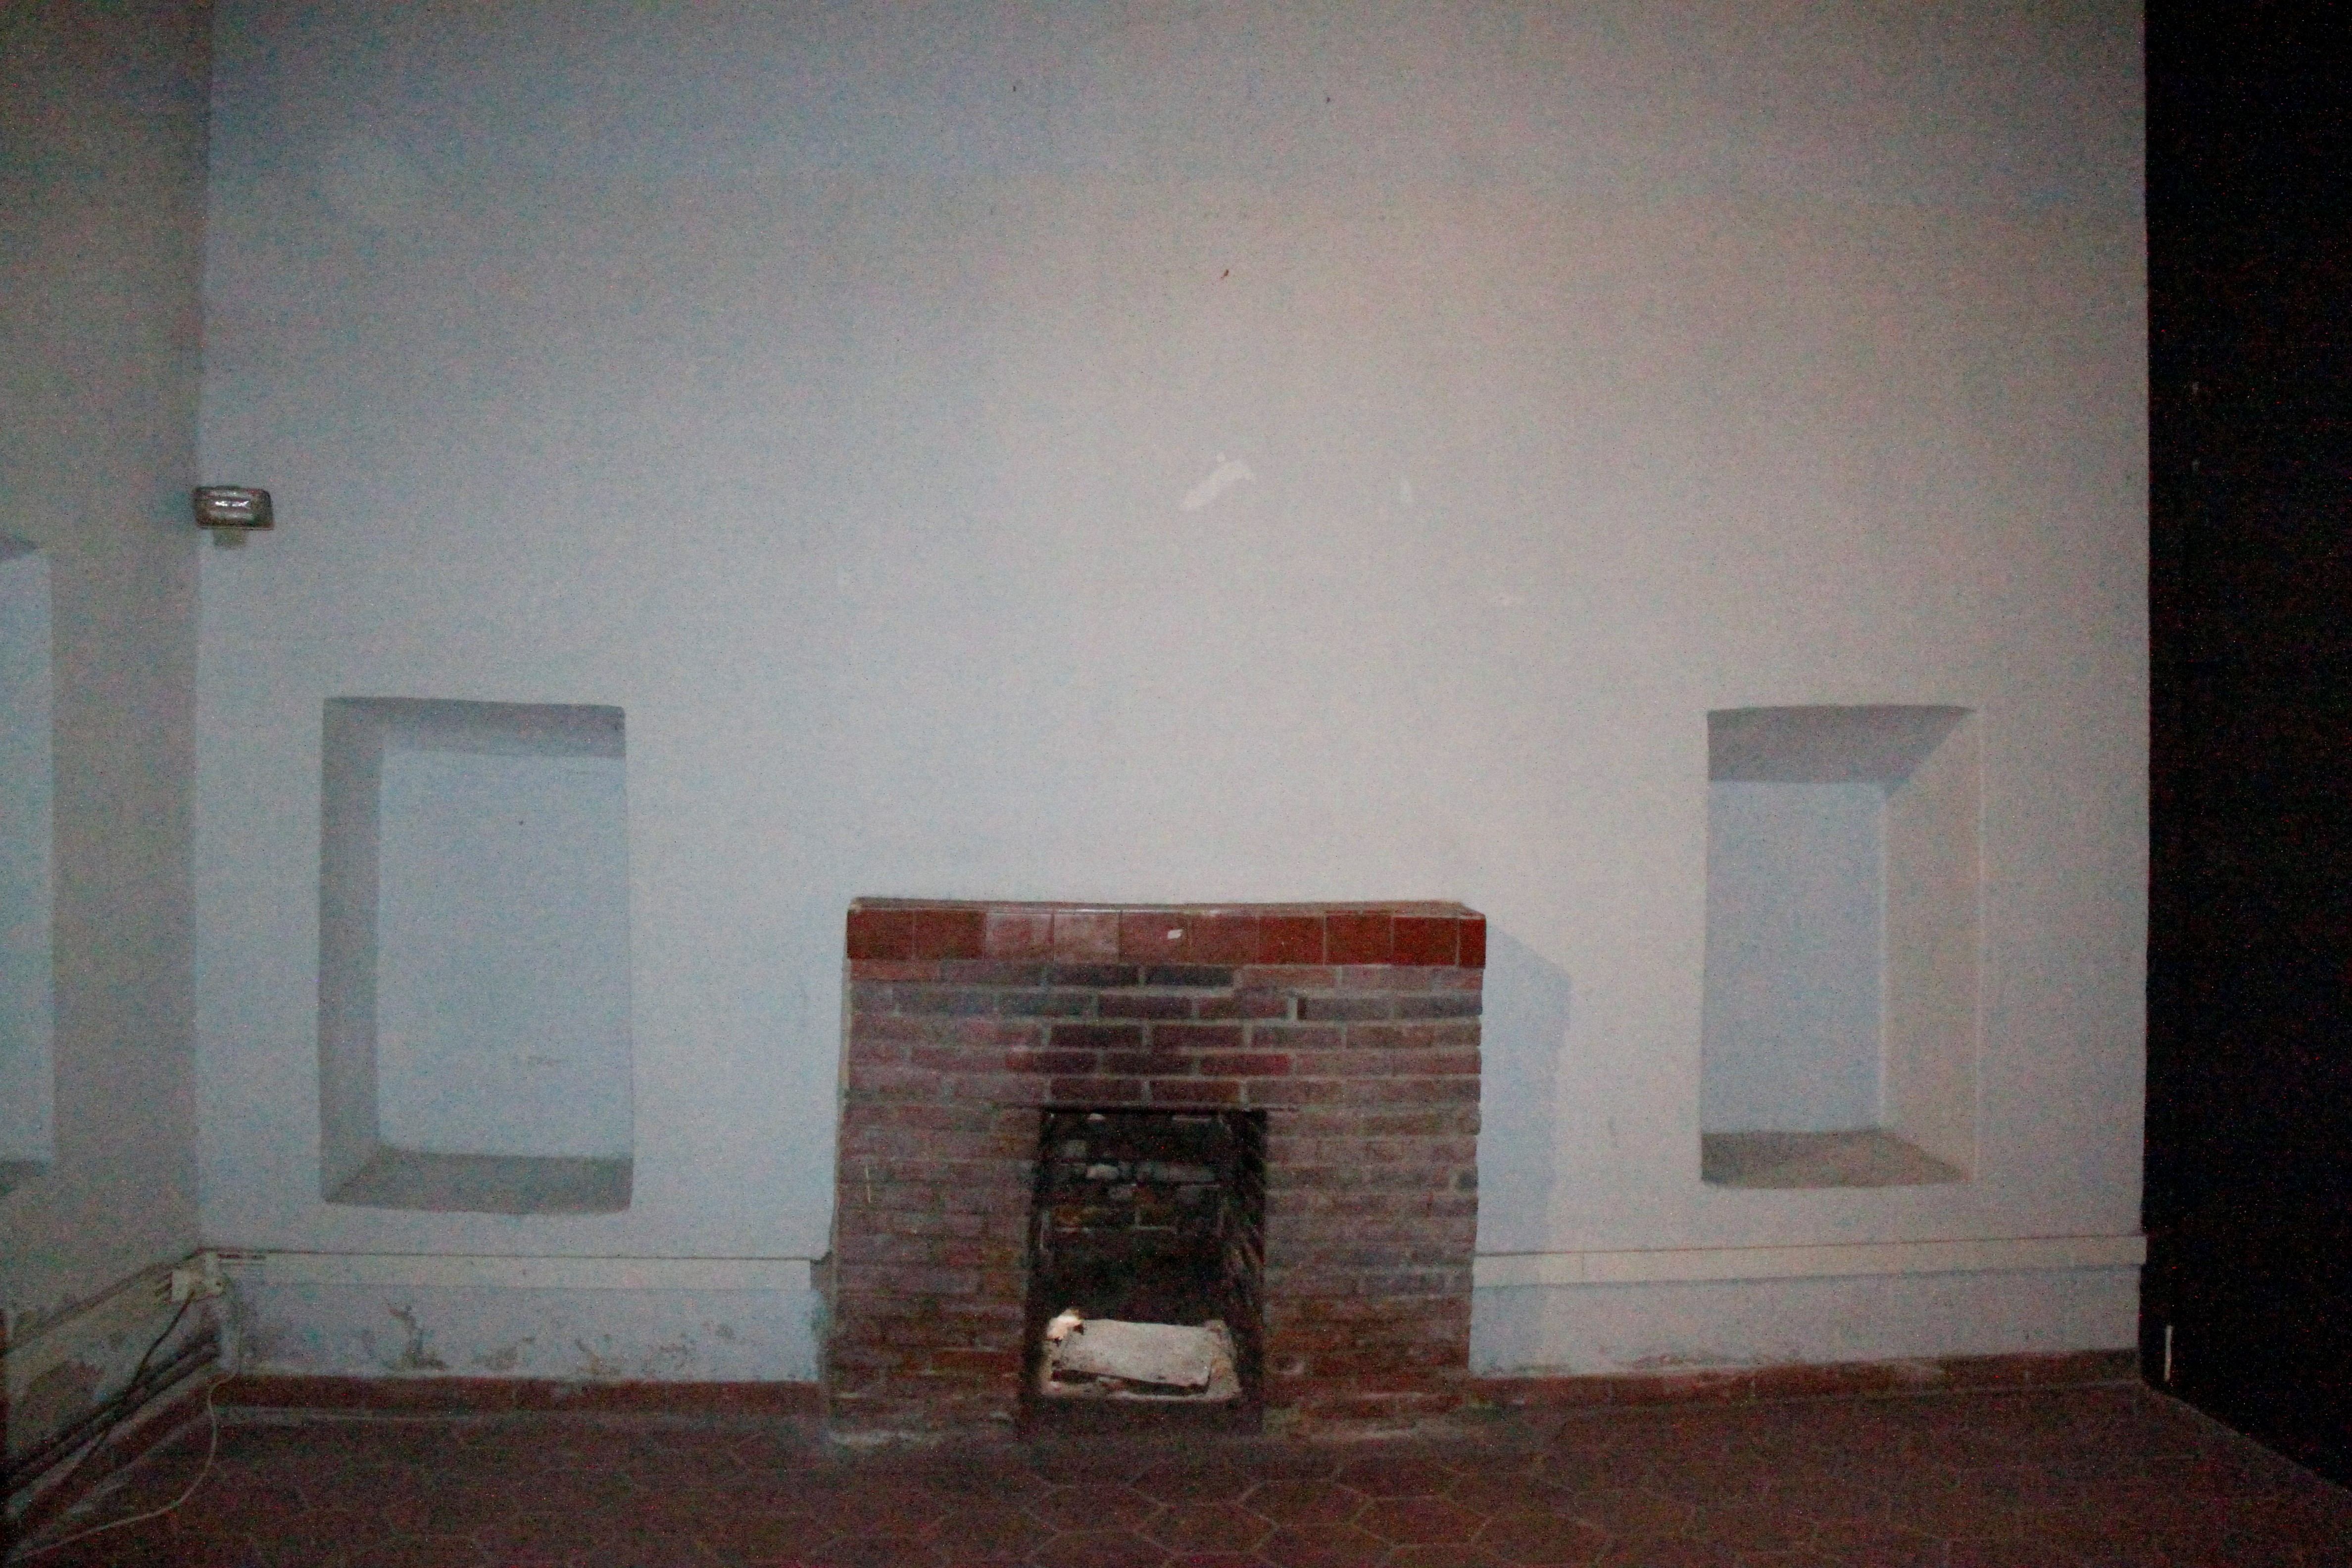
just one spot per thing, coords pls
(58, 1367)
(1579, 1330)
(591, 1334)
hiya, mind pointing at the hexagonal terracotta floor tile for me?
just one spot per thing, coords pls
(1398, 1475)
(870, 1551)
(1209, 1527)
(1418, 1521)
(1540, 1539)
(1626, 1510)
(1180, 1482)
(1305, 1502)
(984, 1529)
(1321, 1546)
(1454, 1556)
(1091, 1508)
(1676, 1551)
(1100, 1549)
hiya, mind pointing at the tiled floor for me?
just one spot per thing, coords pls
(2110, 1475)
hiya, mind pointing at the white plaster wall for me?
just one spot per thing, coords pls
(27, 866)
(1601, 1329)
(502, 954)
(1793, 1015)
(101, 194)
(1248, 452)
(572, 1335)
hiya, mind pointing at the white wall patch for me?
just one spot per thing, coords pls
(1222, 478)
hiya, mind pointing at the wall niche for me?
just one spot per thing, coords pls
(1839, 1033)
(28, 870)
(474, 1045)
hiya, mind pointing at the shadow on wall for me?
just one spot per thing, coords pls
(1522, 1036)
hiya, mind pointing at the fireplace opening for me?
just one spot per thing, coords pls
(1146, 1256)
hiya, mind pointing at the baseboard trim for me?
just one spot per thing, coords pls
(498, 1395)
(1733, 1385)
(1852, 1259)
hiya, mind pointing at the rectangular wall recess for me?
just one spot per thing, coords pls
(1838, 1035)
(474, 1047)
(28, 781)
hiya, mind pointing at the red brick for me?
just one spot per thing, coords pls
(1222, 938)
(1377, 1363)
(881, 933)
(1473, 942)
(1410, 1091)
(908, 1278)
(877, 1247)
(1286, 1091)
(1358, 936)
(1432, 1152)
(1021, 972)
(1085, 933)
(1203, 976)
(1391, 977)
(1375, 1036)
(955, 1057)
(1296, 1037)
(976, 1362)
(1423, 939)
(1366, 1315)
(1018, 933)
(1195, 1091)
(1097, 1091)
(1172, 1063)
(884, 970)
(902, 1222)
(1267, 976)
(1367, 1122)
(1000, 1033)
(998, 1087)
(1094, 975)
(937, 1115)
(1244, 1005)
(896, 1142)
(949, 1001)
(1027, 1004)
(949, 933)
(1196, 1037)
(1445, 1005)
(1245, 1064)
(978, 1178)
(1146, 1005)
(1360, 1064)
(1346, 1009)
(885, 1080)
(1151, 936)
(1051, 1061)
(1098, 1037)
(1290, 939)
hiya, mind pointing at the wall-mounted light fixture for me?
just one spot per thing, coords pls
(232, 506)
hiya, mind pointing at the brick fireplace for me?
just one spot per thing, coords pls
(1353, 1028)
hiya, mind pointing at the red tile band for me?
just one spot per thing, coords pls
(1421, 936)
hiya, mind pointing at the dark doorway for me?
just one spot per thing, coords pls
(2247, 1307)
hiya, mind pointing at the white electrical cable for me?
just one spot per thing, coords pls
(212, 1450)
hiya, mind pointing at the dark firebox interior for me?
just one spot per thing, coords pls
(1153, 1217)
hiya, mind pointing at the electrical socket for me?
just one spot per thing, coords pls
(200, 1276)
